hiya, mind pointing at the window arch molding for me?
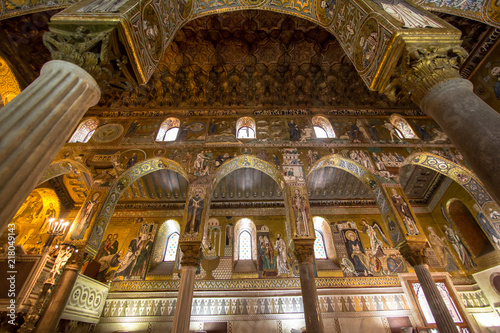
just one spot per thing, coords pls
(84, 131)
(245, 128)
(322, 128)
(403, 128)
(169, 129)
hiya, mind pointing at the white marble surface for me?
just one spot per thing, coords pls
(267, 326)
(356, 325)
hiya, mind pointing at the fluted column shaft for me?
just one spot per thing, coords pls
(60, 296)
(35, 125)
(441, 314)
(312, 311)
(471, 124)
(182, 314)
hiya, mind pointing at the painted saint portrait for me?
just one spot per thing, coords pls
(300, 208)
(194, 215)
(405, 213)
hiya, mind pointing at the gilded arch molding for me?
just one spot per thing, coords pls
(64, 166)
(458, 173)
(374, 42)
(119, 186)
(248, 161)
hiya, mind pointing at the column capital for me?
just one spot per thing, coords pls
(191, 254)
(304, 250)
(414, 252)
(91, 51)
(423, 68)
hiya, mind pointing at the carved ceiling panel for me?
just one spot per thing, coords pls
(251, 58)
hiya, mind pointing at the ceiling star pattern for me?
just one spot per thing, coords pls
(251, 58)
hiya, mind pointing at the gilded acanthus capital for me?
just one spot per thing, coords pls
(421, 69)
(97, 52)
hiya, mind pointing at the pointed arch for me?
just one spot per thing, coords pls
(368, 179)
(469, 181)
(463, 176)
(119, 186)
(64, 166)
(84, 131)
(248, 161)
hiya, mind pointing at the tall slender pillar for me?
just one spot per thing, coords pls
(414, 253)
(184, 303)
(59, 297)
(36, 124)
(440, 312)
(304, 251)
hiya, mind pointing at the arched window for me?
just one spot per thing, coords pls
(245, 246)
(324, 249)
(84, 131)
(169, 130)
(245, 128)
(171, 248)
(246, 232)
(403, 129)
(322, 128)
(319, 245)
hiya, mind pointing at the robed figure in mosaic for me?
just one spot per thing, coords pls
(195, 210)
(301, 210)
(85, 217)
(459, 247)
(405, 213)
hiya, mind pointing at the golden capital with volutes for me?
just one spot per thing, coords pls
(423, 68)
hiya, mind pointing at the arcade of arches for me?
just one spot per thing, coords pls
(310, 166)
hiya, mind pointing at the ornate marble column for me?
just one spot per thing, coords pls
(304, 251)
(432, 80)
(414, 254)
(182, 314)
(36, 124)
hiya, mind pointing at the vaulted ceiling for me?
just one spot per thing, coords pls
(252, 58)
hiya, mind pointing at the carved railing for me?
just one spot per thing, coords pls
(86, 301)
